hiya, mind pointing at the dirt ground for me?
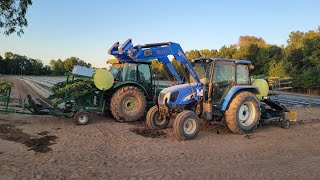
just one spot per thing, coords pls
(47, 147)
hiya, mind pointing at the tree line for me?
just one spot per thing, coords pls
(16, 64)
(22, 65)
(299, 59)
(60, 67)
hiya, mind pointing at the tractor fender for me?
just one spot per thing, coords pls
(233, 91)
(129, 83)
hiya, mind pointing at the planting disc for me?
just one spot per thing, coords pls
(103, 79)
(263, 87)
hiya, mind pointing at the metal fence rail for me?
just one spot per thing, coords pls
(280, 84)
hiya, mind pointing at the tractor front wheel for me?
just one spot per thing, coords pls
(186, 125)
(155, 121)
(128, 104)
(243, 113)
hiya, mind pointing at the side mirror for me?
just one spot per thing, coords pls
(251, 67)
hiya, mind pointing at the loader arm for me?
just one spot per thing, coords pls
(160, 51)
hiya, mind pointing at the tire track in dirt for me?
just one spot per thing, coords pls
(105, 149)
(235, 160)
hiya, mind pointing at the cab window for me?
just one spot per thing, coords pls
(129, 72)
(203, 71)
(242, 74)
(223, 71)
(144, 73)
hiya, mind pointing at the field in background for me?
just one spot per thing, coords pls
(48, 147)
(44, 83)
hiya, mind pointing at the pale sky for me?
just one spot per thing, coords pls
(87, 29)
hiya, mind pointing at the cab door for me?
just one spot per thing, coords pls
(223, 80)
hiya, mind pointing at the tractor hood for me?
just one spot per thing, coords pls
(179, 94)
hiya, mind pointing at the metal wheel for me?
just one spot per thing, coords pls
(130, 104)
(155, 121)
(160, 120)
(285, 124)
(186, 125)
(81, 118)
(243, 114)
(246, 113)
(189, 126)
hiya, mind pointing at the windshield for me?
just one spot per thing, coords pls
(202, 70)
(115, 68)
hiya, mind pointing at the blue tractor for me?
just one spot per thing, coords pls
(223, 94)
(215, 89)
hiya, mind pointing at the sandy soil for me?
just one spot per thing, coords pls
(105, 149)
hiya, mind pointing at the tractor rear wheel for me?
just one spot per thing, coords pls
(243, 114)
(128, 104)
(186, 125)
(155, 121)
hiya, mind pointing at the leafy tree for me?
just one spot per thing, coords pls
(46, 70)
(206, 53)
(295, 39)
(311, 50)
(8, 55)
(193, 54)
(279, 68)
(58, 67)
(69, 63)
(13, 15)
(83, 63)
(248, 40)
(158, 69)
(227, 52)
(265, 56)
(17, 64)
(177, 66)
(2, 65)
(308, 79)
(311, 77)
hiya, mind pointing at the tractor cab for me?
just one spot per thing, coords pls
(219, 75)
(140, 73)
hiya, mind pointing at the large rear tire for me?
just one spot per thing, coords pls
(128, 104)
(243, 114)
(186, 125)
(154, 119)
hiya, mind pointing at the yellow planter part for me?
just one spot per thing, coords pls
(263, 87)
(291, 116)
(103, 79)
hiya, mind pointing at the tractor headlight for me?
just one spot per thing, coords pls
(174, 96)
